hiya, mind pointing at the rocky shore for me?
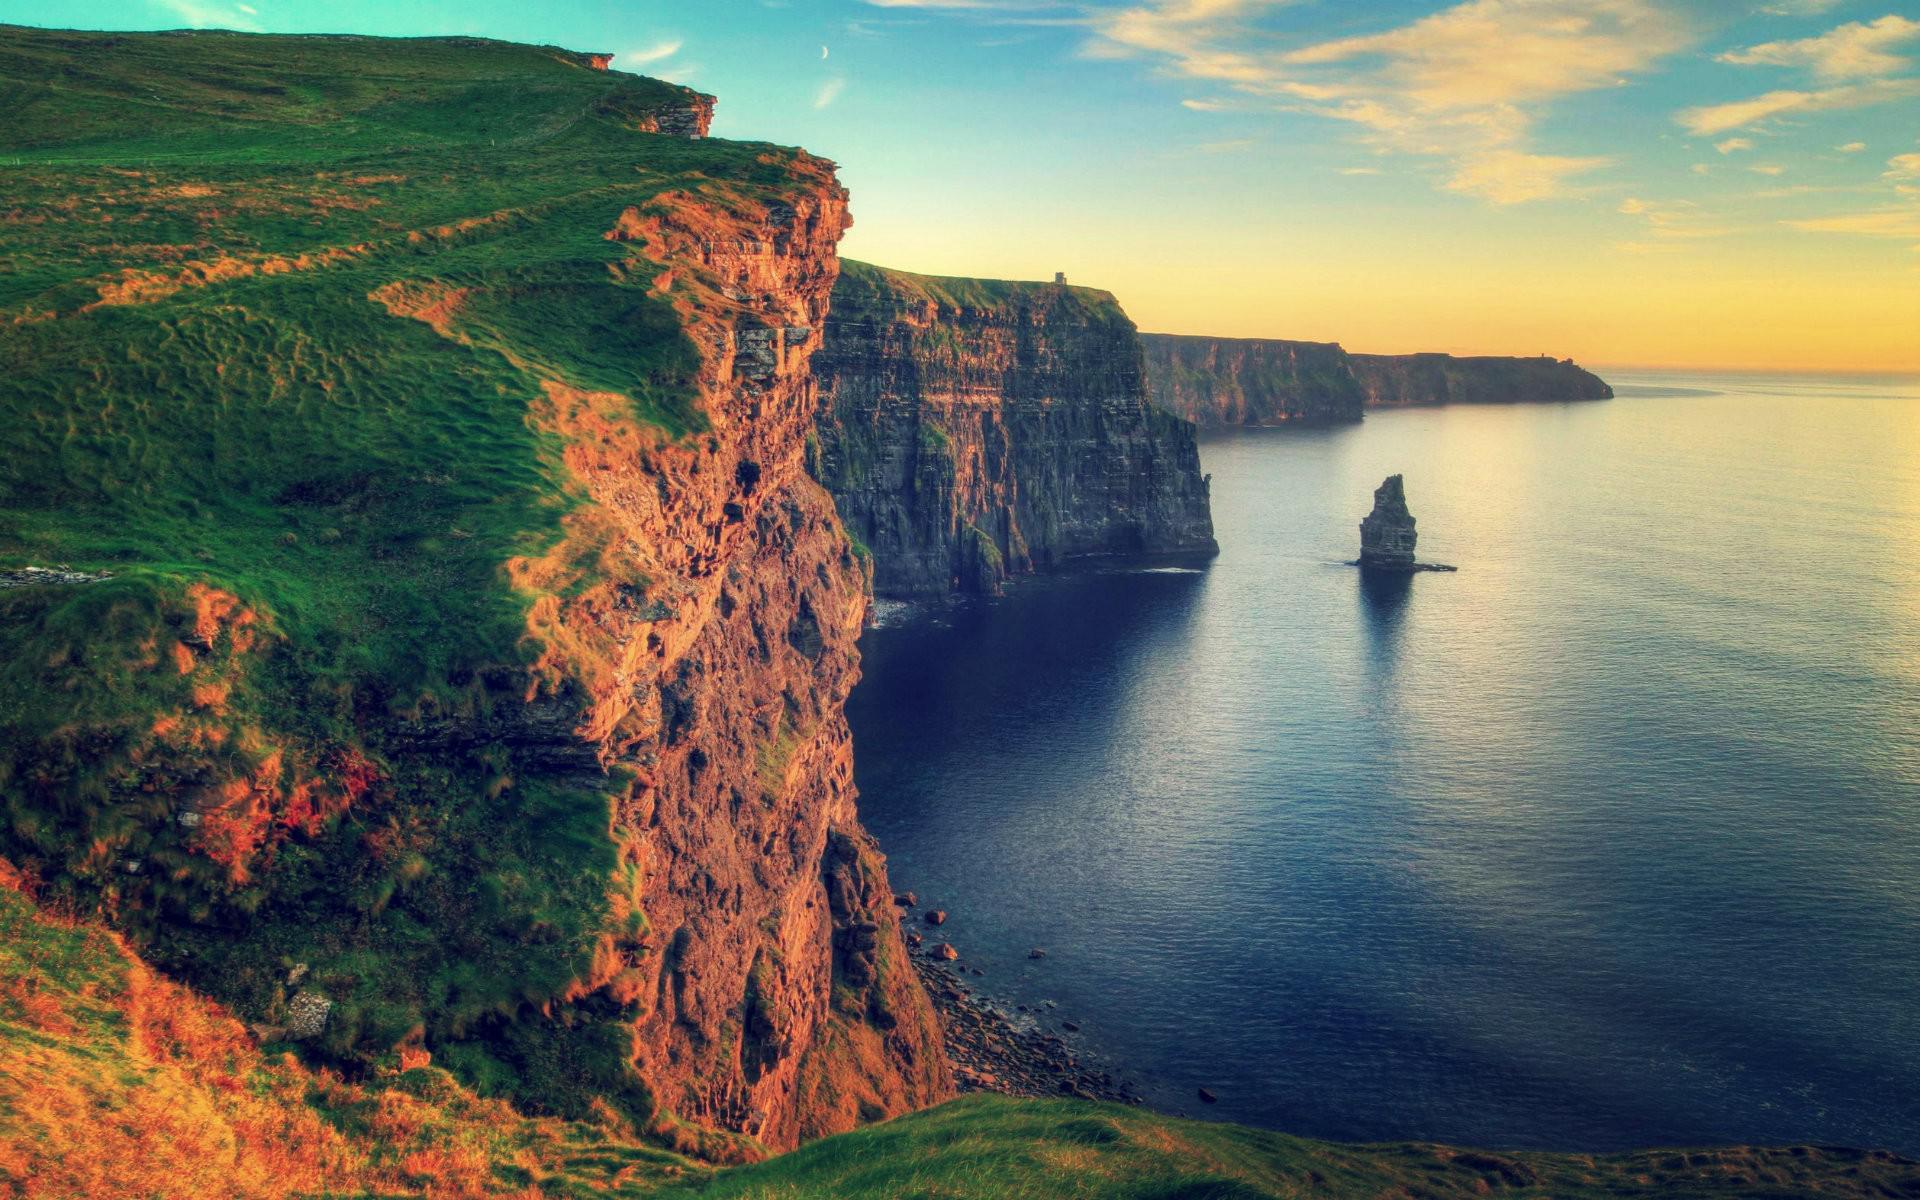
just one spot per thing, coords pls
(1014, 1053)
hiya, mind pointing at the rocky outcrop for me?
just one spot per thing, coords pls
(971, 430)
(690, 120)
(1387, 535)
(1228, 382)
(771, 994)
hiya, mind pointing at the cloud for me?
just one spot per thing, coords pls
(1851, 147)
(1884, 222)
(1732, 144)
(1514, 177)
(1903, 166)
(829, 92)
(1359, 170)
(1464, 85)
(212, 14)
(1738, 114)
(1673, 220)
(1206, 105)
(658, 52)
(1856, 50)
(1767, 169)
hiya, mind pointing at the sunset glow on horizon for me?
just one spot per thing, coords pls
(1631, 182)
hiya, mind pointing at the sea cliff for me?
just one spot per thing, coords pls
(454, 656)
(1226, 382)
(971, 430)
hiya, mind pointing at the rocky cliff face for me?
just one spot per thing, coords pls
(1225, 382)
(783, 1005)
(974, 429)
(1403, 380)
(1216, 382)
(495, 712)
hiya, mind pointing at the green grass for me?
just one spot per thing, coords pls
(995, 1148)
(868, 288)
(208, 394)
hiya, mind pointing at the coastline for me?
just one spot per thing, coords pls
(1013, 1053)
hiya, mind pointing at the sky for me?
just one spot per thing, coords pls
(1699, 183)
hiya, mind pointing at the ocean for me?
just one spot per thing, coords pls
(1611, 839)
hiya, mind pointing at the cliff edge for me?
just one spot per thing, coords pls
(973, 429)
(448, 644)
(1227, 382)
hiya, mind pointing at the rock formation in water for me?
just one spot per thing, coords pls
(975, 429)
(498, 680)
(1226, 382)
(1387, 536)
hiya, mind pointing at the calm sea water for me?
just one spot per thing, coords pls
(1610, 839)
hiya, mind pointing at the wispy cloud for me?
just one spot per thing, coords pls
(211, 14)
(1711, 119)
(1464, 85)
(658, 52)
(1856, 50)
(829, 92)
(1884, 223)
(1851, 147)
(1732, 144)
(1903, 166)
(1767, 169)
(1673, 220)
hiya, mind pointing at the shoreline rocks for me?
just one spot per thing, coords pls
(991, 1051)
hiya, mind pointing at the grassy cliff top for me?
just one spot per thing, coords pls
(278, 320)
(866, 288)
(213, 95)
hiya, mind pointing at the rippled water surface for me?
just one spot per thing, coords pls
(1610, 839)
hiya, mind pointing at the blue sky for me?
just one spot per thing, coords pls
(1658, 181)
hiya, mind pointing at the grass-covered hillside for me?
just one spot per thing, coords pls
(116, 1082)
(278, 320)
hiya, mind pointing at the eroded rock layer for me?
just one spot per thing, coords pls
(1226, 382)
(971, 430)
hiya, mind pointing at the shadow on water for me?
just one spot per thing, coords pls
(1055, 658)
(1383, 610)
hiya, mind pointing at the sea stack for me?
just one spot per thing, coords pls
(1387, 536)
